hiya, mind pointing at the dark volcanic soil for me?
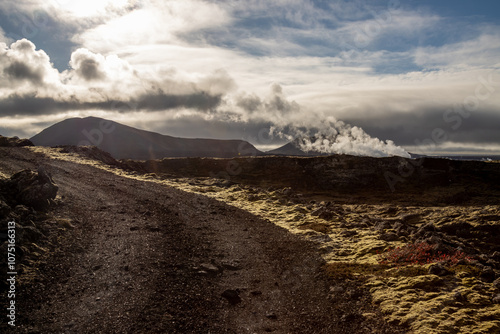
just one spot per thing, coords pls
(145, 258)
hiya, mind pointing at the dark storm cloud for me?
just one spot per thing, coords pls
(200, 101)
(32, 105)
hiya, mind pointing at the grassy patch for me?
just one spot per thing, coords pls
(342, 270)
(469, 269)
(361, 271)
(318, 227)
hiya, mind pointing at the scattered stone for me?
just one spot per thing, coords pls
(496, 283)
(253, 198)
(32, 234)
(209, 268)
(433, 240)
(232, 296)
(287, 191)
(488, 274)
(350, 318)
(65, 223)
(440, 247)
(392, 210)
(389, 237)
(496, 299)
(348, 233)
(4, 209)
(70, 324)
(439, 270)
(336, 289)
(398, 225)
(326, 214)
(412, 218)
(231, 265)
(271, 315)
(369, 316)
(22, 211)
(320, 238)
(428, 227)
(458, 296)
(384, 225)
(256, 293)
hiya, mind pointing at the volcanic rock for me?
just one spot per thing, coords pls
(232, 296)
(14, 142)
(35, 189)
(439, 270)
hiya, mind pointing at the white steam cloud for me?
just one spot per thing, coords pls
(313, 131)
(337, 137)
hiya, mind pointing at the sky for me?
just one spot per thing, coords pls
(396, 76)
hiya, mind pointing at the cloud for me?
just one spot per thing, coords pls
(153, 22)
(20, 105)
(474, 52)
(88, 65)
(31, 86)
(218, 82)
(22, 65)
(3, 37)
(420, 126)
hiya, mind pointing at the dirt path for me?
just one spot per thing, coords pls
(145, 258)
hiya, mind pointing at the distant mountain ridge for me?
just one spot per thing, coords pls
(294, 148)
(125, 142)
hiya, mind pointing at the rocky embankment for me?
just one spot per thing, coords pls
(14, 142)
(25, 198)
(346, 177)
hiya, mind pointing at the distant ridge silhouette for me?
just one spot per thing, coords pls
(125, 142)
(293, 148)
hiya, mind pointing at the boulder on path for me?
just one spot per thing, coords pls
(34, 189)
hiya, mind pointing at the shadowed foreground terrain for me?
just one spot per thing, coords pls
(120, 253)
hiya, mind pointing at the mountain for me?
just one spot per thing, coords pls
(125, 142)
(293, 148)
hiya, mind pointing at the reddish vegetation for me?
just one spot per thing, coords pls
(421, 253)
